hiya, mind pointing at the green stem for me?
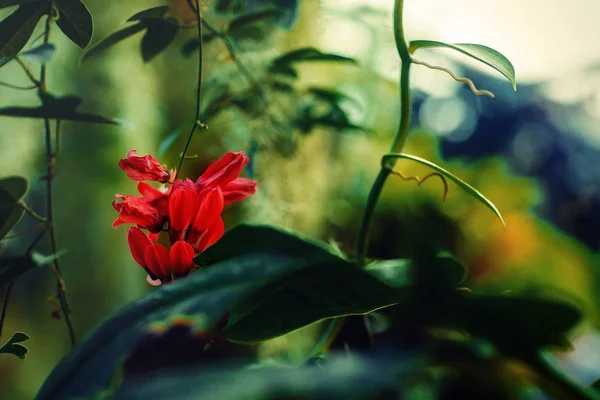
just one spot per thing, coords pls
(50, 162)
(199, 84)
(5, 304)
(30, 211)
(399, 140)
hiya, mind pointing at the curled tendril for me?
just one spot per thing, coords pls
(457, 79)
(421, 180)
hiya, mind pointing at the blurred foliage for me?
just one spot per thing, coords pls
(270, 90)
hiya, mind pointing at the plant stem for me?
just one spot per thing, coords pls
(5, 304)
(50, 161)
(30, 211)
(199, 85)
(399, 140)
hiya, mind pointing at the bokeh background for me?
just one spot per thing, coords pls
(532, 152)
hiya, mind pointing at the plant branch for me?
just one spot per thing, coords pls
(5, 304)
(17, 87)
(399, 140)
(27, 71)
(30, 211)
(50, 162)
(199, 84)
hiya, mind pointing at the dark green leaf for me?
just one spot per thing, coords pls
(229, 6)
(75, 20)
(12, 189)
(17, 28)
(113, 39)
(239, 26)
(479, 52)
(159, 35)
(12, 346)
(464, 185)
(518, 323)
(10, 3)
(192, 45)
(283, 69)
(327, 290)
(149, 14)
(329, 95)
(13, 267)
(54, 107)
(202, 297)
(42, 54)
(395, 273)
(215, 101)
(310, 54)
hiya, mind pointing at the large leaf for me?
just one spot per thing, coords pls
(479, 52)
(151, 13)
(113, 39)
(158, 36)
(17, 28)
(10, 3)
(54, 107)
(202, 297)
(75, 20)
(12, 189)
(12, 346)
(464, 185)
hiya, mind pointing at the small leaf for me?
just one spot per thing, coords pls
(151, 13)
(311, 54)
(329, 95)
(238, 27)
(479, 52)
(42, 54)
(54, 107)
(41, 260)
(113, 39)
(17, 28)
(464, 185)
(395, 273)
(75, 20)
(12, 189)
(159, 35)
(11, 346)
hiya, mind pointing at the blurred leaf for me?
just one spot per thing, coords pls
(518, 324)
(239, 27)
(12, 189)
(75, 21)
(479, 52)
(203, 297)
(464, 185)
(12, 346)
(395, 273)
(113, 39)
(310, 54)
(56, 108)
(329, 95)
(192, 45)
(281, 86)
(13, 267)
(17, 28)
(41, 260)
(229, 6)
(337, 377)
(159, 34)
(42, 54)
(169, 140)
(151, 13)
(215, 101)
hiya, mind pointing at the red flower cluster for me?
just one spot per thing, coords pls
(189, 211)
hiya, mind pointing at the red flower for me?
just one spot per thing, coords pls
(196, 217)
(136, 210)
(225, 170)
(238, 189)
(160, 263)
(144, 168)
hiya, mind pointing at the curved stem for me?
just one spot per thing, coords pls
(198, 87)
(399, 140)
(50, 162)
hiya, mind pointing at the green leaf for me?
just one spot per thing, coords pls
(113, 39)
(518, 324)
(203, 297)
(229, 6)
(42, 54)
(54, 107)
(479, 52)
(395, 273)
(159, 35)
(75, 20)
(311, 54)
(17, 28)
(239, 26)
(12, 189)
(13, 267)
(151, 13)
(12, 346)
(169, 140)
(11, 3)
(464, 185)
(329, 95)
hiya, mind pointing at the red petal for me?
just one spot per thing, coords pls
(211, 236)
(183, 205)
(210, 209)
(182, 258)
(153, 237)
(149, 192)
(145, 168)
(223, 171)
(157, 260)
(138, 244)
(237, 189)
